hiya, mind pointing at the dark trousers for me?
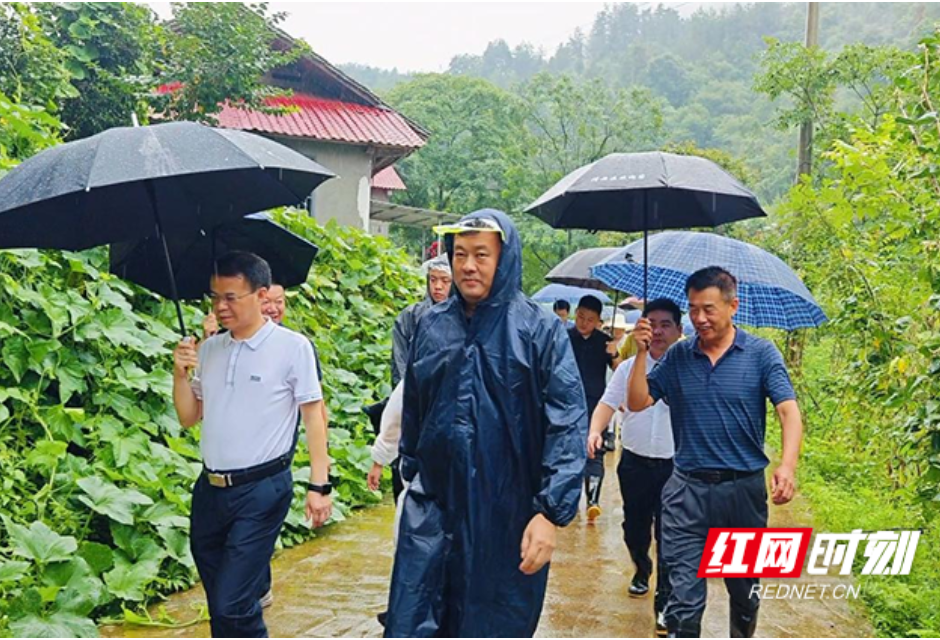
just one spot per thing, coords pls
(641, 486)
(233, 531)
(594, 469)
(690, 508)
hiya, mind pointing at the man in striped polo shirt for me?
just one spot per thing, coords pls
(717, 386)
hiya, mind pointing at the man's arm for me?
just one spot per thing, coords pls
(599, 421)
(188, 405)
(319, 507)
(563, 453)
(783, 483)
(638, 390)
(402, 331)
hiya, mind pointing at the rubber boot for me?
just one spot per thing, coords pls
(743, 624)
(684, 629)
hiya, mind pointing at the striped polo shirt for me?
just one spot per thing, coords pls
(719, 414)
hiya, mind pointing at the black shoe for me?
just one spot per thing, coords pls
(661, 630)
(640, 586)
(685, 630)
(743, 625)
(382, 617)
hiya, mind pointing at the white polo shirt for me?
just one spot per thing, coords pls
(646, 433)
(250, 391)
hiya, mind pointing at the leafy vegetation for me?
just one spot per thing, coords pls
(97, 472)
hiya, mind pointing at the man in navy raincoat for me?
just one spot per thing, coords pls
(493, 443)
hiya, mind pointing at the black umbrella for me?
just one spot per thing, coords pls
(642, 191)
(125, 184)
(193, 256)
(575, 270)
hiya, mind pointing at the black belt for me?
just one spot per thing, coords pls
(716, 476)
(646, 461)
(251, 474)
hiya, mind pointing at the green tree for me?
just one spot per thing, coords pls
(111, 54)
(477, 139)
(32, 67)
(576, 122)
(217, 52)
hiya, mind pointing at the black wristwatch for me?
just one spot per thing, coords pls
(322, 489)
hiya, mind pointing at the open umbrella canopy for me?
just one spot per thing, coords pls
(129, 183)
(553, 292)
(770, 293)
(106, 188)
(641, 191)
(193, 256)
(644, 191)
(575, 270)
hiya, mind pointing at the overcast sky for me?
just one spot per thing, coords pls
(416, 36)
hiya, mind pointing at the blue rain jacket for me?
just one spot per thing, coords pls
(494, 431)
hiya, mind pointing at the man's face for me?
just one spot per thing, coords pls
(710, 313)
(586, 321)
(236, 306)
(275, 304)
(665, 331)
(439, 285)
(562, 313)
(618, 333)
(476, 256)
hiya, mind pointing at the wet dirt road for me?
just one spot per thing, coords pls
(334, 585)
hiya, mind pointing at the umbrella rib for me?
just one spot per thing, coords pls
(91, 165)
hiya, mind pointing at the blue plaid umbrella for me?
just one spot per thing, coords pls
(771, 295)
(553, 292)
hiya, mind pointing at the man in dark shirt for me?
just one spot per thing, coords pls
(717, 386)
(593, 354)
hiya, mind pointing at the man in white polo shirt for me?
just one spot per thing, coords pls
(646, 460)
(247, 387)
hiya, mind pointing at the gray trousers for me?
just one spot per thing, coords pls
(690, 508)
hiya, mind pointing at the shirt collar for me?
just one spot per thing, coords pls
(740, 340)
(254, 341)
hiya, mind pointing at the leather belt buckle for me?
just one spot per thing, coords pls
(221, 480)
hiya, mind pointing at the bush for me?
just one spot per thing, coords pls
(95, 470)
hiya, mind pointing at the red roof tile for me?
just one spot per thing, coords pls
(389, 180)
(324, 119)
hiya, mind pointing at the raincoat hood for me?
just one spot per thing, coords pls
(507, 283)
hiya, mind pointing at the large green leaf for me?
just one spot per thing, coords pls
(12, 570)
(79, 590)
(16, 356)
(110, 500)
(99, 557)
(59, 625)
(63, 423)
(136, 545)
(46, 454)
(164, 514)
(39, 542)
(26, 603)
(70, 373)
(128, 581)
(132, 376)
(133, 445)
(110, 297)
(177, 544)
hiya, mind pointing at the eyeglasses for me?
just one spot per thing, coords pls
(228, 298)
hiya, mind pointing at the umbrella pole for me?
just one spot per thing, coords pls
(151, 194)
(613, 316)
(646, 249)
